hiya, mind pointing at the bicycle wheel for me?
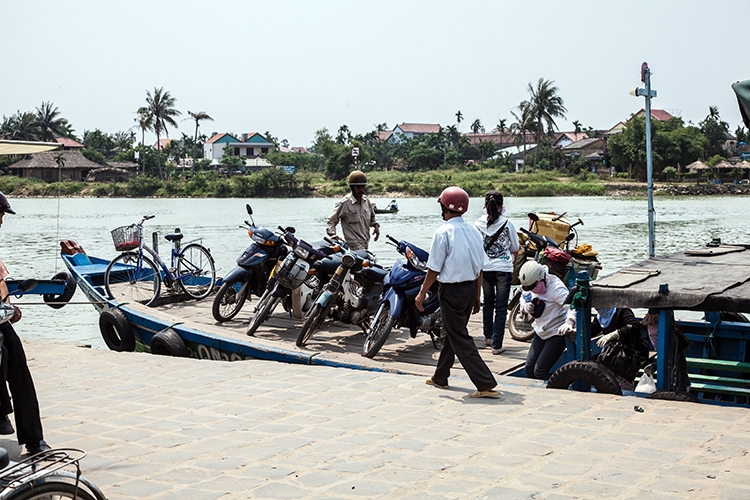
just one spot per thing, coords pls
(195, 271)
(54, 490)
(229, 300)
(132, 278)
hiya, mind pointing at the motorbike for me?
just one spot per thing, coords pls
(397, 307)
(293, 282)
(546, 250)
(251, 274)
(353, 282)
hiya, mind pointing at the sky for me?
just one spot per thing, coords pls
(295, 67)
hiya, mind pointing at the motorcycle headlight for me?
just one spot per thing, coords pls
(348, 260)
(301, 252)
(414, 261)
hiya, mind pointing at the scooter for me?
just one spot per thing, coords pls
(397, 306)
(293, 281)
(252, 272)
(354, 282)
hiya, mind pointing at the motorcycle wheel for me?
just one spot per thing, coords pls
(316, 317)
(265, 307)
(519, 324)
(229, 300)
(378, 332)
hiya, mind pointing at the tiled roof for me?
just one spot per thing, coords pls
(656, 114)
(67, 142)
(581, 144)
(72, 158)
(420, 128)
(216, 137)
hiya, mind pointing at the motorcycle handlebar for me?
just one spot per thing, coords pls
(394, 240)
(535, 238)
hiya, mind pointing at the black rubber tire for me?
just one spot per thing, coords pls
(145, 290)
(265, 308)
(169, 343)
(378, 332)
(592, 372)
(675, 396)
(195, 258)
(316, 317)
(116, 330)
(229, 301)
(519, 330)
(54, 489)
(58, 301)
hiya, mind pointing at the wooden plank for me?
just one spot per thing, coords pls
(719, 364)
(720, 389)
(699, 377)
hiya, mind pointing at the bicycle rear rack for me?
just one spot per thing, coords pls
(41, 465)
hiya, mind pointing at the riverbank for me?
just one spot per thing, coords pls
(275, 183)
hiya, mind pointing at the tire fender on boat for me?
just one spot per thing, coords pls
(58, 301)
(116, 330)
(169, 343)
(591, 372)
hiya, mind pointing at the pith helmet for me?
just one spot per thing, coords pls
(5, 205)
(357, 178)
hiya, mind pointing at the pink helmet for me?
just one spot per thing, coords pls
(454, 199)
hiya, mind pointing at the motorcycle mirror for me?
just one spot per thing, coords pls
(249, 209)
(580, 221)
(290, 229)
(570, 237)
(534, 217)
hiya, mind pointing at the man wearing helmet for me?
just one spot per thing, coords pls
(356, 213)
(456, 260)
(544, 299)
(18, 376)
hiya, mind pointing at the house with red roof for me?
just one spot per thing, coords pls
(250, 145)
(412, 130)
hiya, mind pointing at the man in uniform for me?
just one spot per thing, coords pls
(356, 214)
(456, 260)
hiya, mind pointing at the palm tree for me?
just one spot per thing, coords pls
(546, 105)
(198, 117)
(145, 122)
(476, 126)
(524, 123)
(20, 127)
(161, 109)
(577, 126)
(501, 127)
(459, 118)
(50, 124)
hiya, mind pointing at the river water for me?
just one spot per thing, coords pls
(616, 227)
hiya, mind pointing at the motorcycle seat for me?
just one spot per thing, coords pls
(376, 274)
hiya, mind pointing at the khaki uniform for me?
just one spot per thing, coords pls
(356, 220)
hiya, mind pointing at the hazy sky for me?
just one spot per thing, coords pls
(293, 67)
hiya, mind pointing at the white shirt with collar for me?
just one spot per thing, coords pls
(457, 253)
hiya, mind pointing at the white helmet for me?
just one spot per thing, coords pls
(531, 273)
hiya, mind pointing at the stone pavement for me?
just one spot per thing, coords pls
(166, 428)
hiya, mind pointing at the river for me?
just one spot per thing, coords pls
(616, 227)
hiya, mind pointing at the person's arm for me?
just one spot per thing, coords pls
(478, 300)
(429, 280)
(333, 219)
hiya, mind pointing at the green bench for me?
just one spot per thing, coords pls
(719, 384)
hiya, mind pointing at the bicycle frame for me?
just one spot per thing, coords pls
(169, 276)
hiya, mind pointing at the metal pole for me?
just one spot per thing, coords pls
(649, 165)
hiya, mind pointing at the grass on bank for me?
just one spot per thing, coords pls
(276, 183)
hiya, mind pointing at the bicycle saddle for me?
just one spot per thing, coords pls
(174, 236)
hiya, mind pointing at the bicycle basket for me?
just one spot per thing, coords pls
(126, 238)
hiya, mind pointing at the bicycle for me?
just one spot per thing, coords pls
(46, 475)
(133, 277)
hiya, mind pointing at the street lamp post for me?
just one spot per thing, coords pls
(648, 93)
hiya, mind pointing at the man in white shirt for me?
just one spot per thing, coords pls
(456, 260)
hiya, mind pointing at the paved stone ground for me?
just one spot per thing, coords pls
(164, 428)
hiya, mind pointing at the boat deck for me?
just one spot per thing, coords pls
(336, 342)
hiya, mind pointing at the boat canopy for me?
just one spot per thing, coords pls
(711, 278)
(26, 147)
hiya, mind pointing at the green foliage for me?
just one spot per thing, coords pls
(140, 186)
(715, 130)
(230, 162)
(715, 160)
(94, 155)
(669, 173)
(303, 162)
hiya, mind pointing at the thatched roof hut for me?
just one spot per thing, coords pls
(697, 166)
